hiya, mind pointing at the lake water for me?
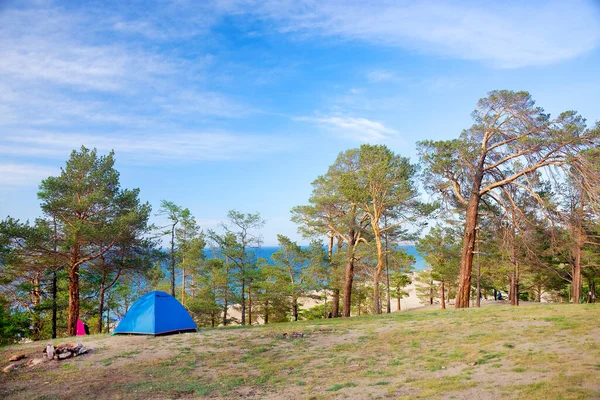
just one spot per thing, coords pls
(267, 252)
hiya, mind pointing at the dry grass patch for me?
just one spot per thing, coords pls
(545, 351)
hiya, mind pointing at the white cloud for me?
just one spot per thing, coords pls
(58, 68)
(359, 129)
(382, 75)
(15, 174)
(506, 34)
(54, 47)
(145, 148)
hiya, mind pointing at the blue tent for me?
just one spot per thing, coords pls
(156, 313)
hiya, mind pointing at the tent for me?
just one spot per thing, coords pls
(156, 313)
(80, 328)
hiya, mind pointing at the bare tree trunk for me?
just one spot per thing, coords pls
(398, 303)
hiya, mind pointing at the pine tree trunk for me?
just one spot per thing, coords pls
(54, 284)
(173, 261)
(577, 281)
(183, 286)
(349, 276)
(73, 292)
(295, 308)
(101, 305)
(380, 264)
(54, 305)
(376, 295)
(243, 301)
(592, 292)
(225, 306)
(335, 306)
(442, 291)
(249, 306)
(387, 272)
(226, 293)
(266, 316)
(36, 295)
(431, 292)
(336, 303)
(515, 286)
(463, 292)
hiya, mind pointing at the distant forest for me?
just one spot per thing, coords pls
(512, 203)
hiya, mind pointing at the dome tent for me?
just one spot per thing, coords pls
(156, 313)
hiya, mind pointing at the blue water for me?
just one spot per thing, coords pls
(267, 252)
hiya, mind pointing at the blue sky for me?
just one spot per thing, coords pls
(217, 105)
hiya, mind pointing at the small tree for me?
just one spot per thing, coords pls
(441, 250)
(234, 246)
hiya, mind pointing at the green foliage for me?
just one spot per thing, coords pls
(441, 250)
(14, 326)
(241, 265)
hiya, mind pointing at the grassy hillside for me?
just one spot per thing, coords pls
(533, 352)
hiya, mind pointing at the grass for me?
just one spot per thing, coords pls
(337, 387)
(126, 354)
(537, 352)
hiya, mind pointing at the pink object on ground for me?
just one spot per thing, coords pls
(80, 328)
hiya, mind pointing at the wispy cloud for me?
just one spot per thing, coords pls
(146, 148)
(358, 129)
(382, 75)
(505, 34)
(15, 174)
(51, 46)
(58, 69)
